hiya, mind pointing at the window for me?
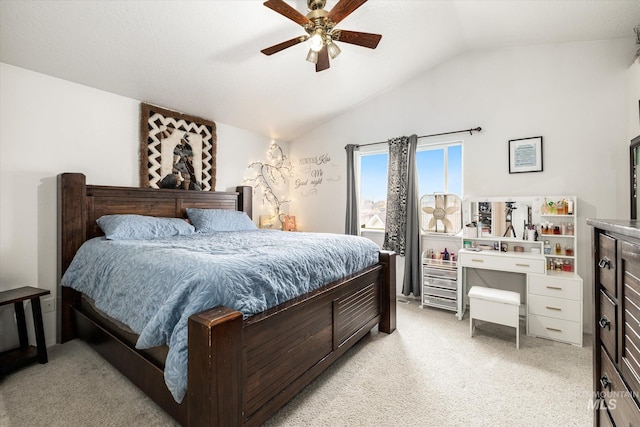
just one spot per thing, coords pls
(439, 171)
(373, 190)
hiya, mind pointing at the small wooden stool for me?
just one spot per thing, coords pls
(495, 306)
(25, 354)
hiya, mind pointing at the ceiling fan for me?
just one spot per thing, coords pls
(320, 28)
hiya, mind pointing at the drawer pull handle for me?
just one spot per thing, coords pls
(605, 262)
(604, 382)
(554, 308)
(604, 323)
(554, 329)
(477, 260)
(555, 288)
(523, 265)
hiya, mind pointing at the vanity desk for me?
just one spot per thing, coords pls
(552, 299)
(513, 262)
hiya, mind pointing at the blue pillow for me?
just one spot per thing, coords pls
(207, 220)
(140, 227)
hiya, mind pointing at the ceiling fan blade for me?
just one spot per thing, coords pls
(281, 46)
(323, 59)
(287, 11)
(343, 8)
(361, 39)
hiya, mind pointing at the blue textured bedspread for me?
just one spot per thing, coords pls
(153, 286)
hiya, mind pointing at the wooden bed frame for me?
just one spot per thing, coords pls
(241, 372)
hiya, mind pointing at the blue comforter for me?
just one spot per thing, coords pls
(153, 286)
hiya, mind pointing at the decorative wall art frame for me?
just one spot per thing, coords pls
(176, 150)
(525, 155)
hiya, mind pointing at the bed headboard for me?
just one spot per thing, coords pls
(80, 205)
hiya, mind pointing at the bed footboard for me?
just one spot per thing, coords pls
(215, 368)
(243, 372)
(388, 304)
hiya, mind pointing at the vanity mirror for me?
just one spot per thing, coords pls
(502, 217)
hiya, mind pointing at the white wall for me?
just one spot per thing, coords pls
(574, 95)
(633, 106)
(51, 126)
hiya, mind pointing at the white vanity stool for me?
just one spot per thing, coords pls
(495, 306)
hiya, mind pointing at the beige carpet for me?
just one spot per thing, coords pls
(427, 373)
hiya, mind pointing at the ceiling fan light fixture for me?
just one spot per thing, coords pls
(312, 56)
(316, 42)
(333, 50)
(321, 31)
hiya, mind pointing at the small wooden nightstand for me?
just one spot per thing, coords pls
(25, 354)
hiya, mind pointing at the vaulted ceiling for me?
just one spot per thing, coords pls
(203, 57)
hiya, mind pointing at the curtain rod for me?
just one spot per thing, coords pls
(478, 129)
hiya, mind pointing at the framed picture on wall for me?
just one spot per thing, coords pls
(525, 155)
(176, 150)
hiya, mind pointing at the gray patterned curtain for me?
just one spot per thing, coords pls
(396, 221)
(351, 223)
(402, 231)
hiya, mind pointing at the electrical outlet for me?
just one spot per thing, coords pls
(48, 304)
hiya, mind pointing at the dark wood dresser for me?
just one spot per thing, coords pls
(616, 344)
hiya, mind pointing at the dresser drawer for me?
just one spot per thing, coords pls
(555, 329)
(446, 273)
(494, 260)
(630, 323)
(439, 292)
(607, 264)
(557, 308)
(558, 287)
(445, 303)
(618, 398)
(608, 325)
(439, 283)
